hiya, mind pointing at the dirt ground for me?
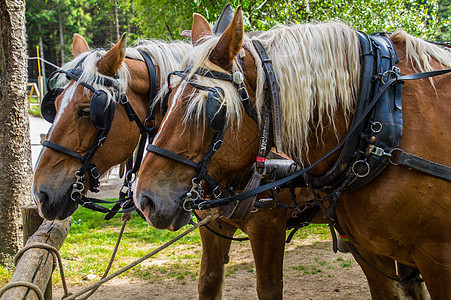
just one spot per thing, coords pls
(311, 271)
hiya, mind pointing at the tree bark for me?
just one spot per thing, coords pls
(15, 150)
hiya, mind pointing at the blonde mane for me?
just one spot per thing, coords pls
(419, 52)
(167, 56)
(318, 71)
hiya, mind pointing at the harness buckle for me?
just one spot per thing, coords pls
(217, 192)
(124, 96)
(388, 75)
(376, 151)
(95, 173)
(100, 143)
(217, 145)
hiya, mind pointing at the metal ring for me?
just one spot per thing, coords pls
(378, 128)
(188, 200)
(359, 162)
(196, 184)
(385, 74)
(78, 176)
(390, 158)
(72, 195)
(217, 192)
(132, 177)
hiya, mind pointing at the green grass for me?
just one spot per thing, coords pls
(320, 231)
(91, 240)
(345, 263)
(35, 110)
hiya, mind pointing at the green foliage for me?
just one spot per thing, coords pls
(56, 21)
(166, 19)
(369, 15)
(419, 18)
(444, 14)
(51, 20)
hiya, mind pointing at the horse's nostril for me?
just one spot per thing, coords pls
(146, 203)
(42, 197)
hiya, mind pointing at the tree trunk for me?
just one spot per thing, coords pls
(118, 35)
(60, 23)
(15, 150)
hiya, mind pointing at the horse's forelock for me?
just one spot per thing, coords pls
(197, 99)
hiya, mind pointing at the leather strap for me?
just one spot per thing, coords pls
(273, 89)
(224, 201)
(171, 155)
(424, 165)
(424, 74)
(152, 74)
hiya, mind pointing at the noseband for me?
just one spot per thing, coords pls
(215, 118)
(101, 113)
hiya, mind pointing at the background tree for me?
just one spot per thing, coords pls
(167, 18)
(444, 14)
(15, 150)
(55, 21)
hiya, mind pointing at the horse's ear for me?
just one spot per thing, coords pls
(112, 60)
(200, 29)
(230, 42)
(79, 45)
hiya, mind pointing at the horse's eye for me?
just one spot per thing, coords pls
(83, 112)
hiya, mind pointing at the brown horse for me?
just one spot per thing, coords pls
(73, 127)
(400, 215)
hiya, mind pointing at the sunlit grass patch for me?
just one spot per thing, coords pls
(91, 240)
(5, 276)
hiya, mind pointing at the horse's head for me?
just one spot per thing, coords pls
(90, 127)
(205, 113)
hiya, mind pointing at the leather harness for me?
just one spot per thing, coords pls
(375, 154)
(125, 198)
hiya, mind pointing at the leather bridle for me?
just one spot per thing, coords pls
(196, 192)
(87, 167)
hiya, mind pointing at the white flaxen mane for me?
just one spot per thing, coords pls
(317, 67)
(419, 52)
(167, 56)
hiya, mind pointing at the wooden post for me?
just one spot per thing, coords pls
(31, 221)
(36, 264)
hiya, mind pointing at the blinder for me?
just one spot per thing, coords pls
(215, 111)
(48, 108)
(100, 110)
